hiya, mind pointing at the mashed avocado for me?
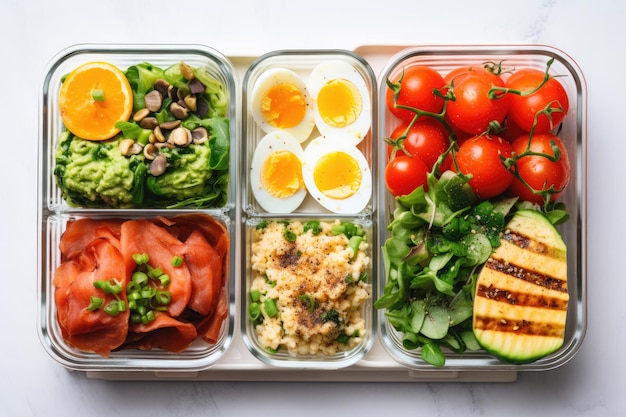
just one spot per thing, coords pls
(97, 175)
(188, 172)
(93, 174)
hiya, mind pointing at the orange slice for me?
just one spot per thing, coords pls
(94, 97)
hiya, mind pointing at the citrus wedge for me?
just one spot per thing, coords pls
(94, 97)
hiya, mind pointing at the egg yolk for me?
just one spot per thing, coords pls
(281, 174)
(337, 175)
(339, 103)
(283, 106)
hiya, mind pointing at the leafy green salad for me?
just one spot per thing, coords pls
(438, 241)
(174, 151)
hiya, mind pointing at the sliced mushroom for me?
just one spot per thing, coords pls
(158, 134)
(162, 86)
(196, 86)
(186, 71)
(150, 151)
(202, 108)
(167, 145)
(158, 165)
(180, 136)
(141, 114)
(153, 100)
(149, 122)
(190, 101)
(172, 93)
(136, 148)
(178, 111)
(170, 124)
(199, 135)
(183, 91)
(125, 145)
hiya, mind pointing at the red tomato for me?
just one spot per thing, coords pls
(404, 174)
(511, 130)
(480, 157)
(427, 138)
(472, 110)
(416, 90)
(538, 171)
(522, 109)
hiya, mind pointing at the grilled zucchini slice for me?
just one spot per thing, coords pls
(521, 298)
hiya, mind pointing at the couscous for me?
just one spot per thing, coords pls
(309, 286)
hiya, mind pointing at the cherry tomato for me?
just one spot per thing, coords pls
(416, 90)
(472, 109)
(522, 109)
(404, 174)
(480, 156)
(427, 138)
(448, 164)
(511, 130)
(538, 171)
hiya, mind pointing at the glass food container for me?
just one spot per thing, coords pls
(315, 140)
(55, 214)
(445, 58)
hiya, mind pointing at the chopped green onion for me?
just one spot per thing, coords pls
(111, 286)
(314, 226)
(148, 317)
(132, 287)
(255, 295)
(97, 94)
(270, 307)
(307, 301)
(343, 338)
(164, 279)
(254, 310)
(112, 308)
(144, 291)
(139, 278)
(155, 273)
(354, 243)
(163, 297)
(95, 303)
(177, 261)
(289, 235)
(141, 258)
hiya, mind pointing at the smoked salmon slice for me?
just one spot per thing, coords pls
(80, 233)
(143, 236)
(205, 265)
(102, 249)
(93, 331)
(164, 332)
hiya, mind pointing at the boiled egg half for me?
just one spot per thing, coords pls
(280, 100)
(341, 100)
(276, 176)
(337, 175)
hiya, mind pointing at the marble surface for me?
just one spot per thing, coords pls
(32, 32)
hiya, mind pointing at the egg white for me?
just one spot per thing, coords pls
(332, 70)
(322, 145)
(262, 85)
(270, 143)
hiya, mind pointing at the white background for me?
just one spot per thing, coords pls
(32, 32)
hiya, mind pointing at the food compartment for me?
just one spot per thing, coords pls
(171, 310)
(173, 150)
(308, 120)
(572, 132)
(307, 293)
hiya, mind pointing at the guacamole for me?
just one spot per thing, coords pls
(93, 174)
